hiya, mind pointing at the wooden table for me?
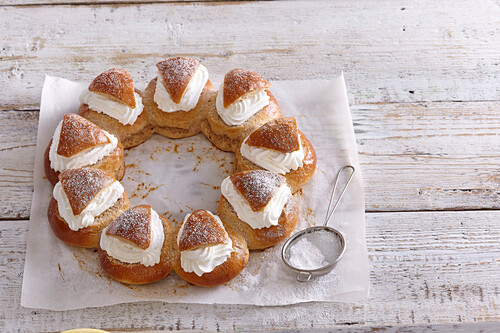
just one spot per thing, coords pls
(424, 84)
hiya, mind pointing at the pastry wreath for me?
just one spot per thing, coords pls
(239, 86)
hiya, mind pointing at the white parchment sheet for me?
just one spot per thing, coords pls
(178, 176)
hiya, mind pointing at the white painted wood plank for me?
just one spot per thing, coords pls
(429, 156)
(432, 156)
(461, 328)
(455, 328)
(390, 51)
(426, 269)
(90, 2)
(18, 130)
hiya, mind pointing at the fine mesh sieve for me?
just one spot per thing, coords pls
(316, 250)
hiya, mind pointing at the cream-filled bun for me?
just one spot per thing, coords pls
(134, 248)
(259, 205)
(84, 202)
(205, 253)
(112, 103)
(179, 97)
(243, 103)
(78, 143)
(278, 146)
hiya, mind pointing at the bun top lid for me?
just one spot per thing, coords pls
(201, 228)
(116, 83)
(82, 186)
(257, 186)
(79, 134)
(279, 134)
(134, 226)
(238, 83)
(176, 74)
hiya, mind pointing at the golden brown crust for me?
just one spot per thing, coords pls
(239, 82)
(129, 135)
(79, 134)
(296, 179)
(82, 185)
(86, 237)
(112, 164)
(178, 124)
(278, 134)
(257, 186)
(223, 273)
(138, 273)
(133, 226)
(227, 137)
(116, 83)
(176, 74)
(258, 239)
(201, 229)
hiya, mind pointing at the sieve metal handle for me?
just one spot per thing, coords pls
(328, 212)
(304, 276)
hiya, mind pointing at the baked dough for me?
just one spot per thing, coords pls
(176, 74)
(178, 124)
(239, 84)
(79, 135)
(296, 179)
(258, 239)
(78, 188)
(138, 273)
(205, 231)
(112, 164)
(89, 236)
(117, 85)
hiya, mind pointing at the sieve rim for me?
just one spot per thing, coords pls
(323, 269)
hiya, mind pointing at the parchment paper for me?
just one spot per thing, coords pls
(178, 176)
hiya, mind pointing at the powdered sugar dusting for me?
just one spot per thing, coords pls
(279, 134)
(79, 134)
(305, 255)
(82, 185)
(238, 82)
(201, 228)
(117, 83)
(257, 186)
(176, 74)
(133, 225)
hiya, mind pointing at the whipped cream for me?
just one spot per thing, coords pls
(101, 202)
(132, 254)
(190, 97)
(83, 158)
(265, 218)
(273, 160)
(238, 112)
(120, 111)
(204, 259)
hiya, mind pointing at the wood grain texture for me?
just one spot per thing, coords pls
(100, 2)
(426, 268)
(429, 156)
(432, 156)
(391, 52)
(18, 130)
(423, 80)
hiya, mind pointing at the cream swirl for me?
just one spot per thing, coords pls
(273, 160)
(238, 112)
(190, 97)
(83, 158)
(265, 218)
(106, 198)
(117, 110)
(204, 259)
(132, 254)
